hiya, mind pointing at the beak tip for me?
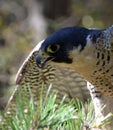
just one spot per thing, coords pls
(40, 66)
(39, 61)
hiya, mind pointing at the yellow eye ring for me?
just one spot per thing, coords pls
(53, 48)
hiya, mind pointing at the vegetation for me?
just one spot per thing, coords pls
(48, 115)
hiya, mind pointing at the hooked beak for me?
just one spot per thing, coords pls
(42, 59)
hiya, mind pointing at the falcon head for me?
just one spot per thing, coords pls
(58, 47)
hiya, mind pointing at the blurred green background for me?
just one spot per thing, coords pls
(23, 23)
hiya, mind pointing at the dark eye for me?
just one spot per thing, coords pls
(53, 48)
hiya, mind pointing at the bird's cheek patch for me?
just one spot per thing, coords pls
(73, 54)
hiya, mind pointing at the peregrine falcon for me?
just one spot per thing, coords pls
(72, 58)
(87, 51)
